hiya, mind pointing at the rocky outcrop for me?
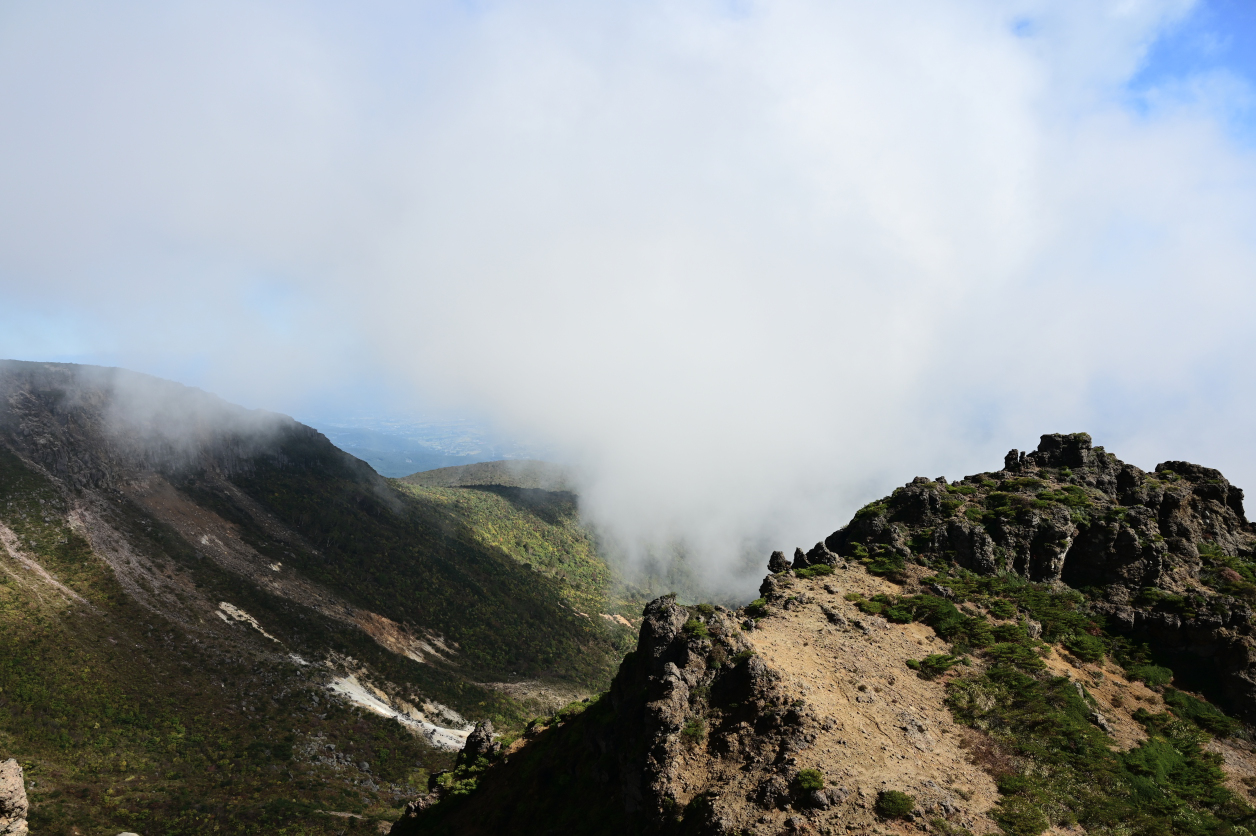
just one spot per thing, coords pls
(710, 728)
(1166, 556)
(479, 743)
(13, 805)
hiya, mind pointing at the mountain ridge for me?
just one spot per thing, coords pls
(508, 473)
(196, 599)
(907, 675)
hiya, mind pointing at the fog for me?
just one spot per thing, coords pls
(748, 266)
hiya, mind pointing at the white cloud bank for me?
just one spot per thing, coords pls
(751, 264)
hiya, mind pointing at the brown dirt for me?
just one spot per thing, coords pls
(890, 729)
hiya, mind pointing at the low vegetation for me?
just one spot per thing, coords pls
(893, 804)
(127, 720)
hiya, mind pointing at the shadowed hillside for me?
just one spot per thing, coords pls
(210, 617)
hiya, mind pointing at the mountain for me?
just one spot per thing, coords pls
(213, 619)
(513, 473)
(1060, 645)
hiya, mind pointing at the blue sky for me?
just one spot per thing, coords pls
(1216, 38)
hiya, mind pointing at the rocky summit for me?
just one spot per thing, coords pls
(1059, 645)
(1165, 557)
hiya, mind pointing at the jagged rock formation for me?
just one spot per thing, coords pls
(819, 555)
(709, 728)
(13, 806)
(829, 706)
(1167, 555)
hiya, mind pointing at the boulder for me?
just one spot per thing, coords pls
(777, 563)
(820, 555)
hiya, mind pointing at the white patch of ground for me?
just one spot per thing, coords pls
(377, 702)
(230, 612)
(616, 619)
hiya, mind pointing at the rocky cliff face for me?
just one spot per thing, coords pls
(13, 806)
(1167, 556)
(800, 723)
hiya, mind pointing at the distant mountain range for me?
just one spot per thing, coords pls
(397, 447)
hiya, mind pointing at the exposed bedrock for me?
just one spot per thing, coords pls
(1167, 556)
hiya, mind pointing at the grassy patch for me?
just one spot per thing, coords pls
(1059, 769)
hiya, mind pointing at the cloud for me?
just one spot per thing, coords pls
(749, 264)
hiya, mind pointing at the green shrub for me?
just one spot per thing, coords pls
(1070, 495)
(810, 779)
(696, 629)
(1020, 817)
(1002, 609)
(1010, 633)
(893, 804)
(934, 665)
(705, 609)
(886, 564)
(1015, 655)
(1026, 483)
(1208, 717)
(694, 730)
(872, 607)
(819, 570)
(757, 608)
(1158, 598)
(1087, 648)
(873, 509)
(743, 656)
(1153, 675)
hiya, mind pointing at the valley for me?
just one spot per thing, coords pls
(212, 620)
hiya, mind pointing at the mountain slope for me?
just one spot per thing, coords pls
(908, 686)
(512, 473)
(194, 596)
